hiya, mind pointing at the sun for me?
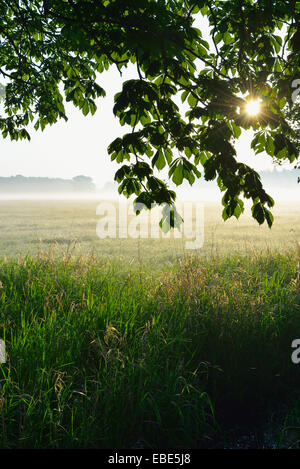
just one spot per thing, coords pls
(253, 107)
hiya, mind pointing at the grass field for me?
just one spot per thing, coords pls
(30, 227)
(139, 343)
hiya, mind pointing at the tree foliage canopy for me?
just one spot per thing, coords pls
(55, 49)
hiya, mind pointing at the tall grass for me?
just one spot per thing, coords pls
(109, 356)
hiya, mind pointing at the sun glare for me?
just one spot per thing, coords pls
(253, 107)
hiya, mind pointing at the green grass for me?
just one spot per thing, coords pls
(120, 343)
(111, 356)
(32, 227)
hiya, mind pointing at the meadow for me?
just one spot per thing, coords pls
(29, 227)
(139, 343)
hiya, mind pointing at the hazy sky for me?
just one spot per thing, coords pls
(79, 146)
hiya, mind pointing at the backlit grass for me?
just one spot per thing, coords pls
(117, 356)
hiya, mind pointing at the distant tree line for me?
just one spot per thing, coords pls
(24, 184)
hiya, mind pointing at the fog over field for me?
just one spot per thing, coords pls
(281, 184)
